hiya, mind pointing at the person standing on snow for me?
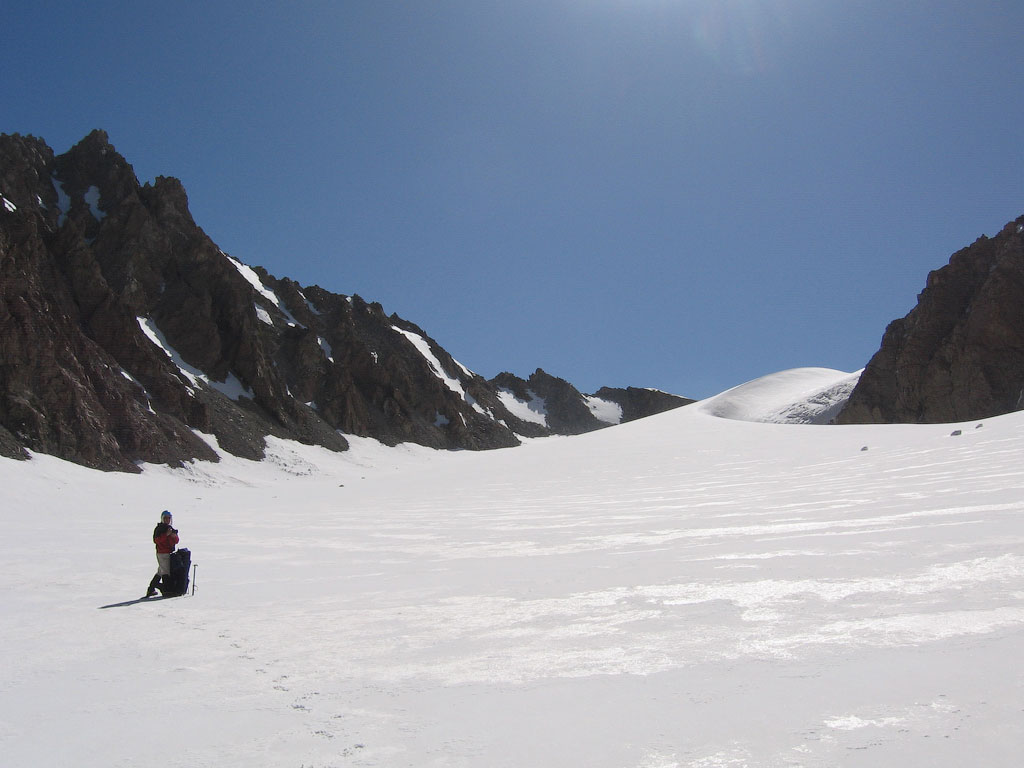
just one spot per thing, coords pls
(166, 539)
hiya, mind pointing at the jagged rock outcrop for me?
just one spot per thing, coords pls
(545, 404)
(959, 354)
(61, 390)
(126, 335)
(638, 403)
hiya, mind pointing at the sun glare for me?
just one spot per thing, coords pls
(743, 35)
(746, 36)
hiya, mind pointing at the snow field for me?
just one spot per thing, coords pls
(684, 590)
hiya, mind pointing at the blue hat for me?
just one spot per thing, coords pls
(165, 514)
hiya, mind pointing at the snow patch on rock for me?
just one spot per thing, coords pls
(533, 411)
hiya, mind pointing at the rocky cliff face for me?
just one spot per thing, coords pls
(959, 354)
(127, 335)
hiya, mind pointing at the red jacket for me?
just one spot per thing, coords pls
(165, 538)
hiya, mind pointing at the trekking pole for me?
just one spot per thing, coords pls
(194, 566)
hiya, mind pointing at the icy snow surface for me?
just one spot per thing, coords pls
(604, 410)
(262, 315)
(796, 396)
(534, 411)
(682, 590)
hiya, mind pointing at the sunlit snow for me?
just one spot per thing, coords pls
(796, 396)
(682, 590)
(262, 315)
(604, 410)
(533, 411)
(254, 280)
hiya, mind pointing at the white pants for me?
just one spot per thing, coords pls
(163, 564)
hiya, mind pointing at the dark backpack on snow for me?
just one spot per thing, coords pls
(177, 583)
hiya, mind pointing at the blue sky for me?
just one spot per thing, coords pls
(681, 194)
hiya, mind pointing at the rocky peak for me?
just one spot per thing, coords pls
(128, 336)
(959, 354)
(91, 180)
(565, 410)
(25, 167)
(638, 403)
(168, 201)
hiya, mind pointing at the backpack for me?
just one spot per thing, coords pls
(177, 583)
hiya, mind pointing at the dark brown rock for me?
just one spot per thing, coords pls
(637, 403)
(125, 331)
(959, 354)
(567, 411)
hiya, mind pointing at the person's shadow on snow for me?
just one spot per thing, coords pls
(138, 600)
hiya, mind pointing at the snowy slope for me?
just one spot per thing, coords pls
(796, 396)
(682, 590)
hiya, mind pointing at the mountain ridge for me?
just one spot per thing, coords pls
(127, 334)
(125, 331)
